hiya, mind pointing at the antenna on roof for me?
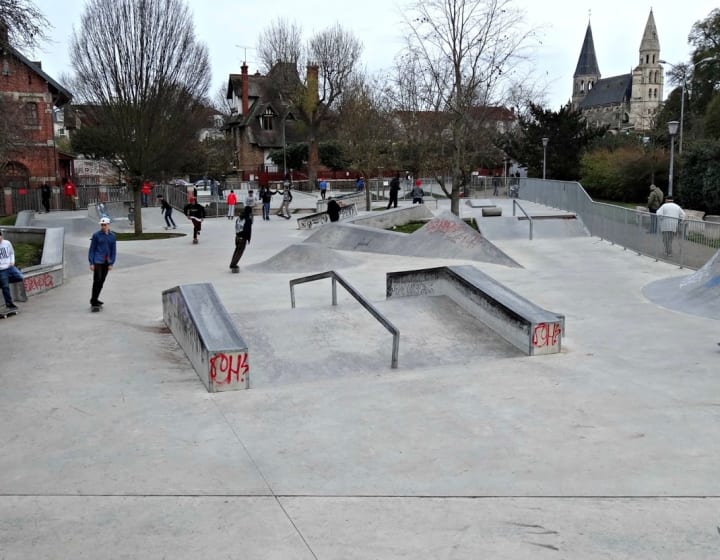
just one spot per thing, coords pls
(244, 48)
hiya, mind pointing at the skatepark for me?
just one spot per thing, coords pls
(113, 447)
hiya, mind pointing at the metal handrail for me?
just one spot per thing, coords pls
(528, 216)
(360, 299)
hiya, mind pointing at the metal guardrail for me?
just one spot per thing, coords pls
(528, 216)
(360, 299)
(694, 244)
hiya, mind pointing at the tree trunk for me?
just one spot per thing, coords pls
(137, 202)
(313, 160)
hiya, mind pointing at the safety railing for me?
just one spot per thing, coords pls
(336, 278)
(528, 216)
(693, 244)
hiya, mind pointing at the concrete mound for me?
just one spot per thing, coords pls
(445, 236)
(304, 257)
(697, 294)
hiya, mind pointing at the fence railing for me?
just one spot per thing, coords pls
(692, 245)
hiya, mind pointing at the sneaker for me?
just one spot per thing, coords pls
(11, 307)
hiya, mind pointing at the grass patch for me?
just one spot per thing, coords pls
(414, 226)
(145, 236)
(8, 220)
(696, 237)
(27, 254)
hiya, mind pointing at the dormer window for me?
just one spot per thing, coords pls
(266, 119)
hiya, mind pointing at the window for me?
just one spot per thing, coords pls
(31, 114)
(266, 120)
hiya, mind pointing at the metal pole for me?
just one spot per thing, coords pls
(672, 157)
(682, 114)
(284, 147)
(544, 159)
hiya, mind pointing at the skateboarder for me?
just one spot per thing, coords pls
(101, 256)
(9, 273)
(196, 214)
(166, 209)
(243, 232)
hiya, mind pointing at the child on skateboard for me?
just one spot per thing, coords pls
(101, 256)
(243, 232)
(196, 214)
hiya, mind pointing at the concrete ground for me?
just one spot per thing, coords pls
(112, 448)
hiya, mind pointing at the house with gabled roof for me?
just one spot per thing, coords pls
(34, 158)
(625, 102)
(261, 116)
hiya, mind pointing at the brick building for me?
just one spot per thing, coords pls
(31, 158)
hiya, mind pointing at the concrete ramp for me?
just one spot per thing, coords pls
(513, 227)
(311, 344)
(445, 236)
(696, 294)
(304, 257)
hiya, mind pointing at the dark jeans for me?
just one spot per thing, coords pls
(99, 274)
(393, 200)
(322, 193)
(9, 276)
(46, 205)
(169, 219)
(653, 221)
(266, 210)
(240, 244)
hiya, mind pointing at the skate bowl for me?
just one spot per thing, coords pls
(530, 328)
(696, 294)
(207, 334)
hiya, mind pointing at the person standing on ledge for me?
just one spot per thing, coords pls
(102, 258)
(394, 189)
(655, 200)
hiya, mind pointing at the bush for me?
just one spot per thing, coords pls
(699, 186)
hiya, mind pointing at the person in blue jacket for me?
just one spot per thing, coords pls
(102, 258)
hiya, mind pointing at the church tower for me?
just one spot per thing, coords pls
(587, 72)
(647, 80)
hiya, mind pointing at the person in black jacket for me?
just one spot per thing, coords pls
(45, 194)
(394, 189)
(196, 214)
(243, 233)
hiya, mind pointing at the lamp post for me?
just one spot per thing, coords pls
(673, 130)
(505, 162)
(545, 143)
(287, 116)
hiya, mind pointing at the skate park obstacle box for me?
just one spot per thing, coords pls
(207, 334)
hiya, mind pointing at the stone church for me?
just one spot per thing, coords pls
(627, 102)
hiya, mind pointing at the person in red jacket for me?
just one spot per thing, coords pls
(145, 191)
(231, 202)
(70, 193)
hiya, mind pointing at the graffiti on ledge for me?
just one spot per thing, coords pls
(546, 334)
(228, 368)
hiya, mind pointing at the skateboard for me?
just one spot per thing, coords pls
(5, 313)
(95, 308)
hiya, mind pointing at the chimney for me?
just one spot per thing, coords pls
(245, 89)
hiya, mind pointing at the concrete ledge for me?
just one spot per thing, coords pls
(50, 272)
(347, 199)
(320, 218)
(24, 218)
(491, 211)
(523, 324)
(207, 334)
(394, 217)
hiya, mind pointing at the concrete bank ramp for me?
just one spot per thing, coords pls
(696, 294)
(445, 236)
(513, 227)
(304, 257)
(313, 343)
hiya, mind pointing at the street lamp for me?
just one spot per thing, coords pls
(545, 143)
(673, 130)
(287, 116)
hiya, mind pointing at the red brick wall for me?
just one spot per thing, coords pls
(24, 85)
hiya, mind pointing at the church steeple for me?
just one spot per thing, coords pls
(647, 79)
(587, 71)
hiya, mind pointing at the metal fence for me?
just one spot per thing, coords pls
(694, 243)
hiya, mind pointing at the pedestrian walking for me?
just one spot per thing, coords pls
(670, 215)
(243, 233)
(166, 209)
(250, 199)
(145, 190)
(655, 200)
(45, 194)
(196, 214)
(70, 192)
(394, 189)
(231, 202)
(417, 192)
(9, 273)
(265, 197)
(323, 188)
(101, 256)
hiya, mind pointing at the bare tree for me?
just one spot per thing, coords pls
(12, 132)
(140, 64)
(22, 24)
(281, 41)
(463, 50)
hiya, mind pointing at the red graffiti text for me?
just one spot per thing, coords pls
(546, 334)
(226, 369)
(37, 283)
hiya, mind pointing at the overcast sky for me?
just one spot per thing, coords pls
(230, 29)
